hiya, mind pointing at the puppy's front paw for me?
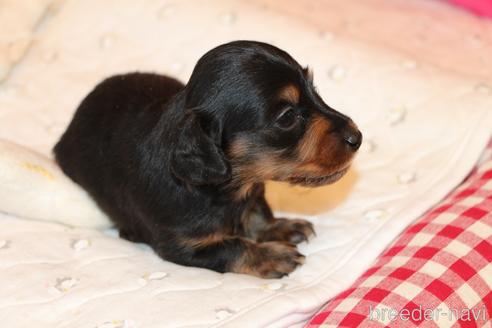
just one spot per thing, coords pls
(293, 231)
(269, 260)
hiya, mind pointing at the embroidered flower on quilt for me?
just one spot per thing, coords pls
(107, 41)
(117, 324)
(407, 177)
(158, 275)
(224, 313)
(177, 67)
(409, 64)
(396, 115)
(483, 88)
(228, 18)
(273, 286)
(368, 146)
(166, 10)
(337, 73)
(4, 244)
(81, 244)
(376, 214)
(65, 284)
(326, 36)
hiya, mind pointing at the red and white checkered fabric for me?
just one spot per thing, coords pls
(438, 273)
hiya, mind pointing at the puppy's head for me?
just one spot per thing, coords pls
(258, 117)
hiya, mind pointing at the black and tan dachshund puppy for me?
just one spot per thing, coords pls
(182, 167)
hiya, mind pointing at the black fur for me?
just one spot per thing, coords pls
(155, 155)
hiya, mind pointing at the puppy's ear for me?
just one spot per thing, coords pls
(197, 158)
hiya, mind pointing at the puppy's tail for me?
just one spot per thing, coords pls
(33, 187)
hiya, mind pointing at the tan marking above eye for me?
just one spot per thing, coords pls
(290, 93)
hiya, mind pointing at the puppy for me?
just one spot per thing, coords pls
(182, 167)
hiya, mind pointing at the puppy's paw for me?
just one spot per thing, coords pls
(293, 231)
(269, 260)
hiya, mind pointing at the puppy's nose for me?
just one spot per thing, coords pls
(352, 138)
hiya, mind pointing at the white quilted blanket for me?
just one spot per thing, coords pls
(426, 116)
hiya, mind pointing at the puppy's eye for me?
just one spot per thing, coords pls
(288, 118)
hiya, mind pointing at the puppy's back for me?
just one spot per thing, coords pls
(108, 126)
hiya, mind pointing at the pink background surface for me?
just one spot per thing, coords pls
(480, 7)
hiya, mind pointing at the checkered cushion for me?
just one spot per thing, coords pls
(438, 273)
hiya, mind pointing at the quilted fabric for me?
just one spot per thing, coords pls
(19, 21)
(425, 123)
(438, 273)
(420, 29)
